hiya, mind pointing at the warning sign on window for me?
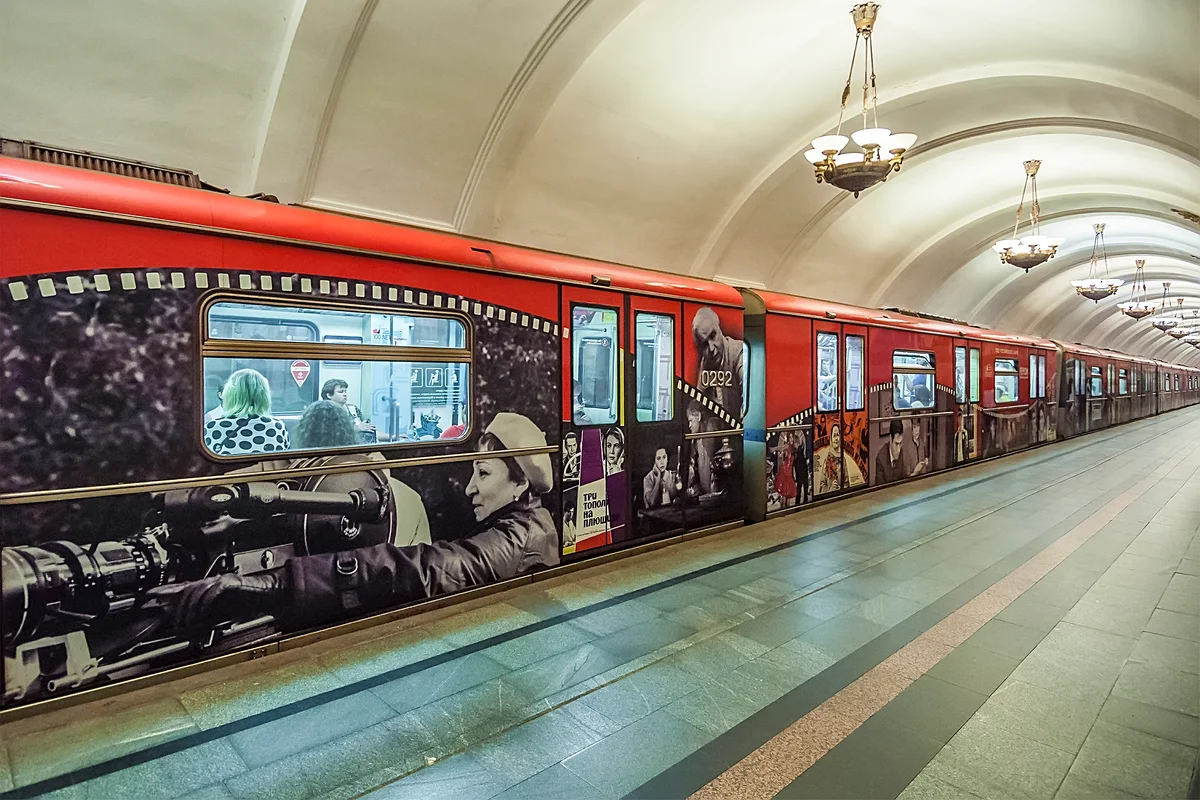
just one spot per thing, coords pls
(300, 371)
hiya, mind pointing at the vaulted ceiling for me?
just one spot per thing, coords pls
(669, 133)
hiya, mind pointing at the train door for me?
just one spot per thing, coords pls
(966, 394)
(855, 441)
(595, 468)
(656, 462)
(827, 421)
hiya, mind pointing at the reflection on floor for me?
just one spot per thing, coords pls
(1024, 627)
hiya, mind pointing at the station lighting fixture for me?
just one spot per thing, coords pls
(1161, 321)
(855, 172)
(1096, 288)
(1026, 252)
(1138, 306)
(1186, 326)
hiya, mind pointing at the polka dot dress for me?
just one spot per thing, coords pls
(242, 436)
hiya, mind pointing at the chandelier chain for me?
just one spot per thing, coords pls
(849, 81)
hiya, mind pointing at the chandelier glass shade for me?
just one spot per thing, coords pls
(1137, 306)
(1026, 252)
(1094, 287)
(882, 151)
(1161, 321)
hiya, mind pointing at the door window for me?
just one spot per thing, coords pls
(827, 372)
(854, 373)
(655, 341)
(974, 374)
(960, 374)
(594, 365)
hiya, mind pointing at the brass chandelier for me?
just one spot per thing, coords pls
(1027, 252)
(1161, 321)
(1186, 327)
(1137, 306)
(1094, 288)
(855, 172)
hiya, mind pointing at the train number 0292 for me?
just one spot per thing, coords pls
(716, 377)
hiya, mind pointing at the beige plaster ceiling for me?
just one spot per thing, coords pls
(667, 133)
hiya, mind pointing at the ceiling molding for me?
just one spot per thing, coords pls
(512, 93)
(314, 162)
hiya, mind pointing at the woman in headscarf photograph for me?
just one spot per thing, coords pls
(513, 534)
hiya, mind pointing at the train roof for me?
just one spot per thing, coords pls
(888, 318)
(34, 183)
(1100, 352)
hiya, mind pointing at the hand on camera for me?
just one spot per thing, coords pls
(220, 598)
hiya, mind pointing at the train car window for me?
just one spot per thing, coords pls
(1033, 381)
(854, 373)
(960, 374)
(1177, 383)
(1042, 375)
(1006, 380)
(827, 372)
(1097, 382)
(913, 380)
(385, 378)
(594, 365)
(654, 335)
(1080, 380)
(974, 374)
(1123, 382)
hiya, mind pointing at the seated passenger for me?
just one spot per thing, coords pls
(338, 391)
(324, 425)
(246, 427)
(921, 398)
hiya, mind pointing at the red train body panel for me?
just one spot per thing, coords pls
(209, 388)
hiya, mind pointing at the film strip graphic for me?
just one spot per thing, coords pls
(797, 419)
(707, 403)
(104, 282)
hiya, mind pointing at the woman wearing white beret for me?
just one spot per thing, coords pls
(513, 534)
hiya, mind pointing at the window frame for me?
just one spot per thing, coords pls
(1122, 381)
(637, 366)
(619, 422)
(906, 369)
(335, 352)
(961, 397)
(837, 373)
(975, 362)
(862, 371)
(1014, 371)
(1095, 378)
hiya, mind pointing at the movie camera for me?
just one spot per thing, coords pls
(77, 614)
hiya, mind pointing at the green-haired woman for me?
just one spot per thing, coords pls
(246, 427)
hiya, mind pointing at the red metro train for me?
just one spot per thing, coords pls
(227, 422)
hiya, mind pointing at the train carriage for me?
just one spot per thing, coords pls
(296, 418)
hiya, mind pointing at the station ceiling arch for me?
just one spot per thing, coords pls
(668, 133)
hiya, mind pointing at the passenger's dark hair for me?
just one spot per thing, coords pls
(515, 474)
(325, 424)
(921, 392)
(332, 385)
